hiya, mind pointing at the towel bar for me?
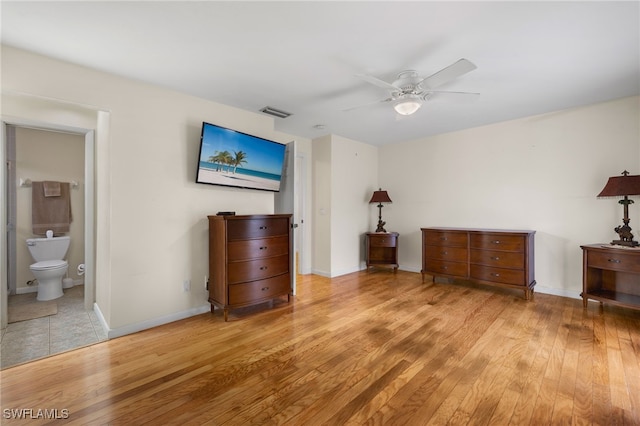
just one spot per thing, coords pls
(26, 183)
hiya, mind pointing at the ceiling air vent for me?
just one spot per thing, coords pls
(275, 112)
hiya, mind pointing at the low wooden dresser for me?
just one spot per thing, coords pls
(499, 257)
(381, 249)
(250, 260)
(611, 275)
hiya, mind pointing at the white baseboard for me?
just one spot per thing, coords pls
(409, 269)
(563, 292)
(305, 271)
(335, 273)
(34, 288)
(24, 290)
(321, 273)
(154, 322)
(103, 322)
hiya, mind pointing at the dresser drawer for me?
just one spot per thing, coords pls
(451, 254)
(436, 267)
(497, 242)
(258, 290)
(445, 238)
(257, 228)
(382, 240)
(254, 249)
(613, 261)
(497, 275)
(498, 259)
(250, 270)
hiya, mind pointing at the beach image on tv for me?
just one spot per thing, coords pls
(232, 158)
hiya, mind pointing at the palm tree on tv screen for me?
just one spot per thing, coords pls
(223, 158)
(238, 159)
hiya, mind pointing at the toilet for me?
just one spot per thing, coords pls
(50, 267)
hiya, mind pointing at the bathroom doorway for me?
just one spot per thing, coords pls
(52, 156)
(48, 153)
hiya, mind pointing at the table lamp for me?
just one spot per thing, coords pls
(380, 197)
(623, 186)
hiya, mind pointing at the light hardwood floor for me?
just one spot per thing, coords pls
(365, 348)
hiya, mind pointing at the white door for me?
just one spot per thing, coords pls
(285, 202)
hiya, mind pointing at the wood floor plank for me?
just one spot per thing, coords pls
(548, 317)
(583, 394)
(378, 348)
(602, 409)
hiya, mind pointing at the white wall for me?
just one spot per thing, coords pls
(322, 213)
(353, 179)
(152, 211)
(541, 173)
(345, 176)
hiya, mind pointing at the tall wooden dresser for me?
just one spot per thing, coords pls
(499, 257)
(250, 260)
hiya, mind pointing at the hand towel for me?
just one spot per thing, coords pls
(51, 188)
(50, 212)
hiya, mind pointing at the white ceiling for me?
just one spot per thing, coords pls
(302, 57)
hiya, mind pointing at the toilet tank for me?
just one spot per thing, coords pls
(48, 248)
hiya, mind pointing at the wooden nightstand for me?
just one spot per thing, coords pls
(382, 249)
(611, 274)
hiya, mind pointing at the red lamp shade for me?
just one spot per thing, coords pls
(380, 196)
(619, 186)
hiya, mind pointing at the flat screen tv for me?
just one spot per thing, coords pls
(231, 158)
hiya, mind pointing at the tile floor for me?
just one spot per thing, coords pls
(72, 327)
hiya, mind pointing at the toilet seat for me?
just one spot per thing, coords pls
(46, 265)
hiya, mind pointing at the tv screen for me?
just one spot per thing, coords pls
(231, 158)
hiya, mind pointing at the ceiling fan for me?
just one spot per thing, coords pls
(410, 90)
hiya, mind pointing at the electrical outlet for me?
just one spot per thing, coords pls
(186, 285)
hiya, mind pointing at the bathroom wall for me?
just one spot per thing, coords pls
(44, 155)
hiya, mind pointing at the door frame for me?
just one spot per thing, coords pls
(290, 200)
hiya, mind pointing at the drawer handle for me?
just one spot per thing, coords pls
(265, 288)
(263, 248)
(494, 274)
(496, 241)
(495, 258)
(444, 252)
(263, 227)
(443, 238)
(614, 260)
(445, 267)
(263, 268)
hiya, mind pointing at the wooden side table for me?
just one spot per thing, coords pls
(382, 249)
(611, 274)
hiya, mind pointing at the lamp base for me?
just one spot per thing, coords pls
(626, 237)
(380, 227)
(625, 243)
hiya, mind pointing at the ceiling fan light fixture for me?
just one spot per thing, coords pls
(407, 105)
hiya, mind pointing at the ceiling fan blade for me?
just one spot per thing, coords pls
(368, 104)
(427, 93)
(456, 97)
(454, 70)
(376, 81)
